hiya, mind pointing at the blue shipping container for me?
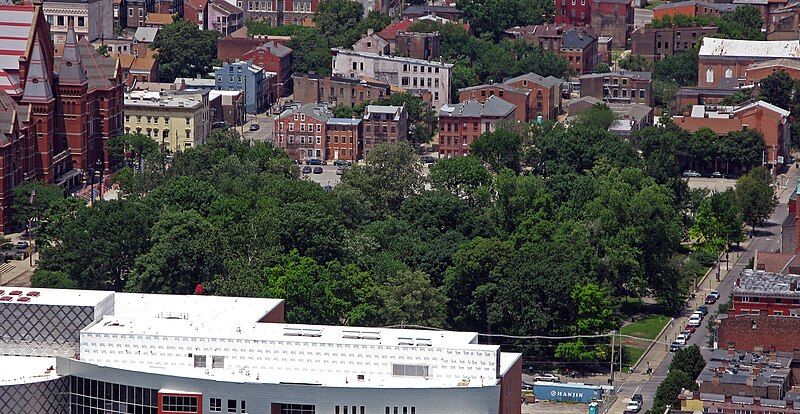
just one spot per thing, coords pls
(567, 392)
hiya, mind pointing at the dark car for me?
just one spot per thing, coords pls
(255, 127)
(703, 309)
(711, 300)
(306, 170)
(316, 161)
(428, 159)
(317, 170)
(342, 163)
(637, 397)
(717, 174)
(675, 347)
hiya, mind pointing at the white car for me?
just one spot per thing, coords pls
(546, 378)
(695, 320)
(634, 406)
(681, 339)
(715, 294)
(698, 314)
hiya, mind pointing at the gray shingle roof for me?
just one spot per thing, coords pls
(493, 107)
(753, 282)
(275, 48)
(547, 82)
(576, 39)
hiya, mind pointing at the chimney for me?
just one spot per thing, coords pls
(757, 369)
(773, 356)
(370, 32)
(715, 380)
(751, 381)
(792, 206)
(789, 405)
(757, 401)
(793, 285)
(738, 282)
(731, 351)
(728, 399)
(696, 395)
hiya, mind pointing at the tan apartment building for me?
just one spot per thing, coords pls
(174, 119)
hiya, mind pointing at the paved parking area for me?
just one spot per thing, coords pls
(556, 408)
(328, 176)
(712, 184)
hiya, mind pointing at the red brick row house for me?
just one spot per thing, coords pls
(270, 55)
(612, 18)
(532, 95)
(460, 124)
(58, 110)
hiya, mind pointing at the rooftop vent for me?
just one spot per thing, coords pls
(24, 299)
(6, 299)
(32, 293)
(15, 292)
(361, 335)
(314, 333)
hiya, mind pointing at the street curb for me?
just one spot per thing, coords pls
(649, 347)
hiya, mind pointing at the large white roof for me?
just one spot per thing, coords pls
(750, 48)
(23, 370)
(192, 307)
(54, 297)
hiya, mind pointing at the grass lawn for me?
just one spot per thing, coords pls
(647, 328)
(632, 354)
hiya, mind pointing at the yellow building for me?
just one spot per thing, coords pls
(175, 119)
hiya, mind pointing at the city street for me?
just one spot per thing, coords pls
(767, 238)
(266, 123)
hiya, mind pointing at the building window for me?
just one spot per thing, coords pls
(728, 73)
(296, 408)
(179, 403)
(215, 405)
(231, 406)
(199, 361)
(710, 75)
(217, 361)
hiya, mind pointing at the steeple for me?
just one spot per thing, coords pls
(71, 71)
(37, 83)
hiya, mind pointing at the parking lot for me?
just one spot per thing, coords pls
(712, 184)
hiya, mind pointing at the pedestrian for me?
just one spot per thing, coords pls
(672, 322)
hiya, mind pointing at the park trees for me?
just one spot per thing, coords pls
(756, 196)
(184, 50)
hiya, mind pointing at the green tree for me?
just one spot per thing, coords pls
(744, 23)
(134, 146)
(500, 149)
(777, 89)
(680, 69)
(342, 111)
(493, 16)
(688, 360)
(411, 299)
(602, 67)
(311, 53)
(756, 196)
(183, 50)
(36, 200)
(669, 389)
(182, 255)
(52, 279)
(599, 116)
(461, 176)
(636, 63)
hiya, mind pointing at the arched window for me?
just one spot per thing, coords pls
(710, 75)
(728, 73)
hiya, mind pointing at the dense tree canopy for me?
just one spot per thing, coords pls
(183, 50)
(492, 17)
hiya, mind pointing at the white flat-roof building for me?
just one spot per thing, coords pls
(172, 354)
(428, 78)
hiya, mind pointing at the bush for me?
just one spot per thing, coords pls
(706, 257)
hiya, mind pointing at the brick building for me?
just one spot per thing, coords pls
(771, 121)
(698, 402)
(578, 45)
(280, 12)
(196, 11)
(300, 130)
(756, 292)
(335, 90)
(783, 23)
(723, 63)
(621, 86)
(158, 19)
(384, 124)
(753, 374)
(688, 96)
(90, 19)
(522, 99)
(277, 58)
(693, 8)
(545, 97)
(343, 139)
(656, 44)
(418, 45)
(631, 117)
(759, 333)
(224, 17)
(138, 69)
(372, 43)
(613, 18)
(460, 124)
(57, 125)
(760, 70)
(137, 10)
(574, 12)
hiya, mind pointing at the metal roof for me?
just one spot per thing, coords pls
(493, 107)
(750, 48)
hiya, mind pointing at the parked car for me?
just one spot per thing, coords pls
(342, 163)
(21, 245)
(255, 127)
(715, 294)
(690, 328)
(546, 378)
(428, 159)
(675, 347)
(317, 170)
(691, 173)
(703, 309)
(687, 333)
(681, 339)
(694, 320)
(316, 161)
(710, 300)
(638, 398)
(306, 170)
(634, 406)
(698, 314)
(717, 174)
(340, 171)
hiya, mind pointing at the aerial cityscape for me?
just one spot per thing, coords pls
(399, 206)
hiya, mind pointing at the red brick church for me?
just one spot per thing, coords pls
(59, 104)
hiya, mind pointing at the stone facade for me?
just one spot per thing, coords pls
(621, 86)
(417, 45)
(613, 18)
(89, 18)
(384, 125)
(656, 44)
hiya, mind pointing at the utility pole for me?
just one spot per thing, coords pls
(611, 372)
(620, 353)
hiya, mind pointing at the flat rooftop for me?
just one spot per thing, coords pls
(53, 297)
(25, 370)
(752, 282)
(763, 369)
(193, 307)
(289, 332)
(160, 100)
